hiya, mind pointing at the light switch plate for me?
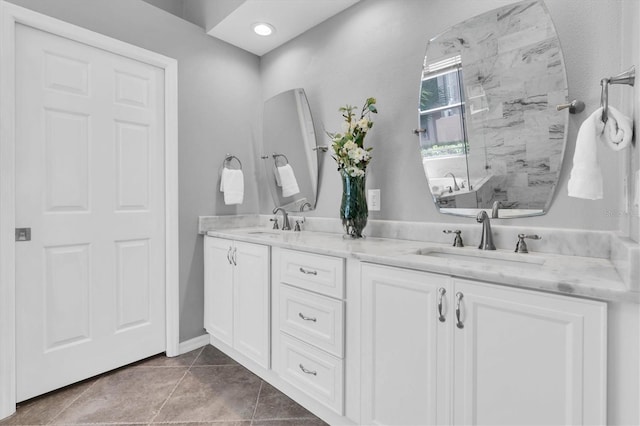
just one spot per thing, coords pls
(373, 200)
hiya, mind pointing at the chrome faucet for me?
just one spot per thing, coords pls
(495, 209)
(285, 218)
(486, 243)
(455, 184)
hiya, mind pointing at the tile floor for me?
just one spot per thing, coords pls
(202, 387)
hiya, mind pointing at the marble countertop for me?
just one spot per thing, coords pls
(590, 277)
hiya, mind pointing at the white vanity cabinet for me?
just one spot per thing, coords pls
(308, 324)
(443, 350)
(236, 292)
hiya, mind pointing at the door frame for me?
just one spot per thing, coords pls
(10, 15)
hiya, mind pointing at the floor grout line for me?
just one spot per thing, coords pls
(176, 386)
(152, 422)
(74, 400)
(253, 416)
(196, 358)
(169, 396)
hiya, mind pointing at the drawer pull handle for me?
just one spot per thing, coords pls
(304, 370)
(459, 322)
(304, 271)
(441, 292)
(306, 318)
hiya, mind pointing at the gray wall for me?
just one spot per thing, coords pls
(630, 162)
(376, 47)
(218, 94)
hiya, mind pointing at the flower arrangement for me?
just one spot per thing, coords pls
(348, 147)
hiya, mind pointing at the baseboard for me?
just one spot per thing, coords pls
(192, 344)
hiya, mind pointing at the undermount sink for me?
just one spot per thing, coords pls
(498, 258)
(274, 233)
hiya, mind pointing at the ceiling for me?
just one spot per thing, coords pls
(232, 20)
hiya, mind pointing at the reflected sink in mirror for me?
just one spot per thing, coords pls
(497, 258)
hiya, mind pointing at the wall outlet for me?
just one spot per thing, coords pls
(373, 200)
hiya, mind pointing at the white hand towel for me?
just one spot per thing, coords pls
(287, 180)
(232, 185)
(618, 130)
(586, 177)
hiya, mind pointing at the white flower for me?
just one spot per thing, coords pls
(357, 154)
(364, 124)
(349, 146)
(355, 172)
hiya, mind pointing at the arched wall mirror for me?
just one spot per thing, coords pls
(490, 134)
(290, 159)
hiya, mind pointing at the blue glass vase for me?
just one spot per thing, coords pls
(353, 210)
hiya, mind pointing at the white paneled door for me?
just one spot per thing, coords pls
(90, 176)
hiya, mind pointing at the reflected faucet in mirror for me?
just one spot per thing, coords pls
(495, 209)
(455, 184)
(306, 205)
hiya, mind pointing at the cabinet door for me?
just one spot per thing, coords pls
(251, 302)
(404, 351)
(218, 288)
(524, 357)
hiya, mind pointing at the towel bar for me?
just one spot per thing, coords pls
(230, 157)
(276, 156)
(627, 77)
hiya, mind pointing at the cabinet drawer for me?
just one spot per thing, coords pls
(313, 371)
(313, 318)
(322, 274)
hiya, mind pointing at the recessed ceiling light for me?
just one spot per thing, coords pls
(263, 29)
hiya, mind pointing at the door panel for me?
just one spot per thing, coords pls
(218, 289)
(90, 285)
(66, 296)
(132, 166)
(132, 284)
(405, 348)
(528, 358)
(66, 160)
(251, 302)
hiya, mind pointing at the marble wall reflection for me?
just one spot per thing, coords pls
(514, 76)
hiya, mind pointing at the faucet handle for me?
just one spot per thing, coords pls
(275, 222)
(297, 227)
(457, 241)
(521, 246)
